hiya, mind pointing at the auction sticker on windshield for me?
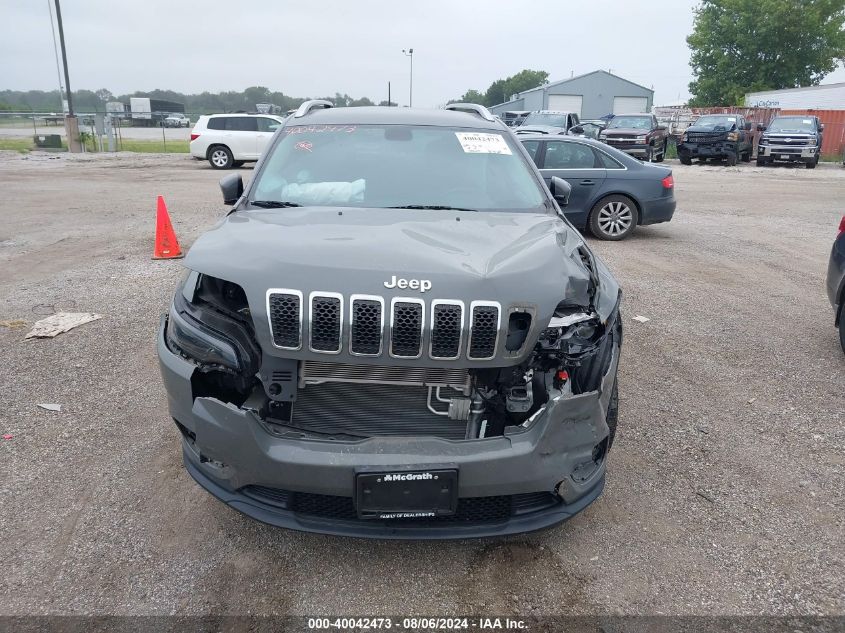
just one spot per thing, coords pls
(483, 143)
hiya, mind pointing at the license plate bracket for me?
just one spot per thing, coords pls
(417, 492)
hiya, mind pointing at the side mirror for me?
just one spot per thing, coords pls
(661, 128)
(761, 128)
(232, 187)
(560, 190)
(821, 128)
(747, 127)
(576, 129)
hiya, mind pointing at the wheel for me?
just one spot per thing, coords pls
(842, 325)
(731, 159)
(812, 164)
(613, 218)
(662, 155)
(761, 162)
(220, 157)
(649, 155)
(238, 163)
(686, 160)
(746, 157)
(613, 414)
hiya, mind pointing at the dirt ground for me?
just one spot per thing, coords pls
(725, 491)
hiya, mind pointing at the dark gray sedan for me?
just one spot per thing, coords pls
(836, 281)
(612, 192)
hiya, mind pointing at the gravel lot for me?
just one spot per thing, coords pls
(725, 489)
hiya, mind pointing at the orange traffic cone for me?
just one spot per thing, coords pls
(166, 244)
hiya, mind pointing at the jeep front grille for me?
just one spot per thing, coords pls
(326, 322)
(404, 328)
(483, 331)
(285, 310)
(366, 325)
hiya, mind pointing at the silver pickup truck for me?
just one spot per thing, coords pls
(790, 139)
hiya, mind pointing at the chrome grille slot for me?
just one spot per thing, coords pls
(406, 328)
(366, 323)
(484, 330)
(325, 322)
(319, 371)
(446, 327)
(284, 308)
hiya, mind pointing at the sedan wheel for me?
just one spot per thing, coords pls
(613, 218)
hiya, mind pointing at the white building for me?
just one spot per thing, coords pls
(826, 97)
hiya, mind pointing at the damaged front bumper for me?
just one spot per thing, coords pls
(532, 477)
(707, 150)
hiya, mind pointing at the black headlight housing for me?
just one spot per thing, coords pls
(214, 328)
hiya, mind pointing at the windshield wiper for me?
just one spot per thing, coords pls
(430, 207)
(273, 204)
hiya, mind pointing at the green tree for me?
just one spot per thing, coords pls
(741, 46)
(502, 90)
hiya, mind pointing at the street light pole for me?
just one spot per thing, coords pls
(409, 53)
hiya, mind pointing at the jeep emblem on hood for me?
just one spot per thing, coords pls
(414, 284)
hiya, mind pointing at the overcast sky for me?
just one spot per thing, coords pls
(317, 48)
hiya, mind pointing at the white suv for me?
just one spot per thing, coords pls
(230, 140)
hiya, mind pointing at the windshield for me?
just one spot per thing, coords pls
(398, 166)
(633, 122)
(713, 120)
(544, 118)
(792, 124)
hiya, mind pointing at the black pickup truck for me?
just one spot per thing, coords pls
(719, 136)
(794, 139)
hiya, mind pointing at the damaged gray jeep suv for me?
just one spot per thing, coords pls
(395, 333)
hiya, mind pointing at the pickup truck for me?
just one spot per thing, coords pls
(718, 136)
(639, 135)
(794, 139)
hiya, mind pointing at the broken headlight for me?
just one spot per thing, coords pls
(573, 333)
(197, 342)
(209, 323)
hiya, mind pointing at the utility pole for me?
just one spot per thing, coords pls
(71, 122)
(388, 94)
(410, 53)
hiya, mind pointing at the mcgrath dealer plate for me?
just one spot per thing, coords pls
(406, 494)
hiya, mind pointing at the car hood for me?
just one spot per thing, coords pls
(710, 128)
(529, 259)
(626, 131)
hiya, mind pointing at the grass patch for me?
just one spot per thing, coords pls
(154, 147)
(22, 145)
(831, 158)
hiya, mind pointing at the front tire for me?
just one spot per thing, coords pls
(686, 160)
(842, 325)
(613, 218)
(220, 157)
(746, 157)
(812, 164)
(662, 155)
(731, 159)
(761, 162)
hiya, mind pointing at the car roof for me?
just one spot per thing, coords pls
(633, 114)
(553, 112)
(362, 115)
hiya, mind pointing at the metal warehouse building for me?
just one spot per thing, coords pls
(827, 97)
(591, 96)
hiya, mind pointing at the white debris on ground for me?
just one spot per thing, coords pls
(641, 319)
(51, 407)
(59, 323)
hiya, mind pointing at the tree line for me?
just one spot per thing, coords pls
(203, 103)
